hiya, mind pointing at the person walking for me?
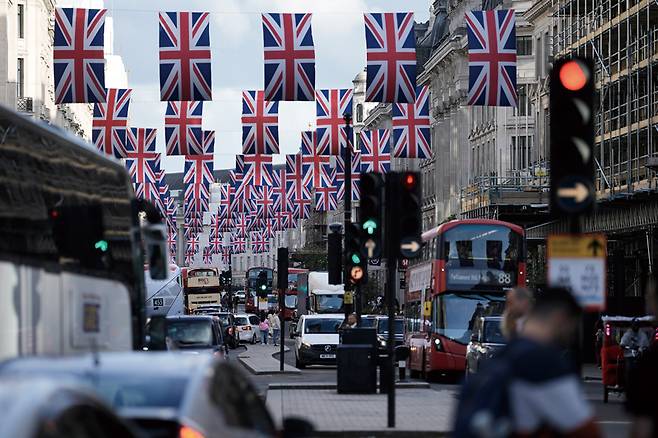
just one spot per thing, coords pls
(531, 387)
(264, 328)
(276, 328)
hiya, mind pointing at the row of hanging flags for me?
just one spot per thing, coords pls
(259, 199)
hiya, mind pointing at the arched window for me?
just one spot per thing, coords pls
(359, 113)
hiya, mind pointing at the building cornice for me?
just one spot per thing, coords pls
(537, 9)
(455, 43)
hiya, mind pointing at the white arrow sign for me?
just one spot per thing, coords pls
(370, 245)
(579, 192)
(412, 246)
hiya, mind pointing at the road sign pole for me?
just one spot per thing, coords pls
(391, 246)
(347, 198)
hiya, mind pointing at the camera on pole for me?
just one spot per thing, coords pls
(357, 264)
(371, 214)
(572, 136)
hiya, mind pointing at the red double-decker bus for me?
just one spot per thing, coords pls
(466, 268)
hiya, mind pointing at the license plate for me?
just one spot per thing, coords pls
(158, 302)
(327, 356)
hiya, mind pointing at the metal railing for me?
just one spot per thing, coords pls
(24, 104)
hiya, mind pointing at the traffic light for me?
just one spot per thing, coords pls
(404, 226)
(371, 214)
(282, 268)
(261, 284)
(334, 254)
(572, 136)
(356, 263)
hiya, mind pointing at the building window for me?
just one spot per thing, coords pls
(20, 77)
(359, 113)
(520, 152)
(20, 13)
(523, 104)
(524, 45)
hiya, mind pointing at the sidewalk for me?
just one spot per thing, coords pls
(591, 372)
(258, 359)
(419, 411)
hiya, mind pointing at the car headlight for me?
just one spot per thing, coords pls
(306, 345)
(382, 343)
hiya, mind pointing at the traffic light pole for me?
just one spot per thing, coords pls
(391, 196)
(347, 198)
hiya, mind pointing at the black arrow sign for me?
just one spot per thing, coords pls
(595, 246)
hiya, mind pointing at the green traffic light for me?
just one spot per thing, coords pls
(263, 287)
(102, 245)
(356, 259)
(370, 226)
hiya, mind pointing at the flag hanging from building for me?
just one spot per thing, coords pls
(355, 176)
(172, 240)
(142, 160)
(280, 190)
(312, 162)
(391, 58)
(258, 170)
(491, 57)
(260, 124)
(110, 123)
(183, 132)
(411, 127)
(185, 66)
(289, 57)
(331, 106)
(259, 243)
(225, 200)
(79, 55)
(375, 151)
(216, 241)
(240, 225)
(325, 195)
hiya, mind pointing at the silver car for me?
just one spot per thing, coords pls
(246, 325)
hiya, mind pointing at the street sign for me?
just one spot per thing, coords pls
(409, 248)
(262, 303)
(427, 308)
(348, 298)
(375, 261)
(578, 262)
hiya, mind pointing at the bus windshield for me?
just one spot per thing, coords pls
(455, 314)
(202, 273)
(480, 257)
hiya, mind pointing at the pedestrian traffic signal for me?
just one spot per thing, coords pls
(282, 268)
(356, 263)
(572, 136)
(261, 284)
(371, 214)
(334, 254)
(403, 207)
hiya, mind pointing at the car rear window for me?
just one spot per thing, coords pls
(141, 390)
(192, 332)
(241, 320)
(254, 320)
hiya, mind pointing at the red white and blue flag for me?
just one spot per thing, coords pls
(326, 194)
(110, 123)
(491, 57)
(331, 106)
(172, 240)
(225, 200)
(216, 242)
(185, 66)
(183, 132)
(311, 161)
(240, 225)
(197, 198)
(298, 179)
(391, 58)
(411, 127)
(148, 191)
(258, 170)
(264, 202)
(199, 168)
(280, 191)
(238, 244)
(189, 257)
(260, 124)
(79, 56)
(375, 151)
(142, 160)
(289, 57)
(355, 176)
(207, 255)
(259, 242)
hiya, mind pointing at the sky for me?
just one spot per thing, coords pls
(237, 60)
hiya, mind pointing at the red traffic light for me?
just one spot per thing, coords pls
(573, 75)
(409, 181)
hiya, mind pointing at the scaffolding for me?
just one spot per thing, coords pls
(622, 37)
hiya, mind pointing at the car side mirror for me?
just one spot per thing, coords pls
(296, 428)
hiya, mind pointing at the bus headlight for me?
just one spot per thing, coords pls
(437, 344)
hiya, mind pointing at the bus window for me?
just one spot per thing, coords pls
(454, 315)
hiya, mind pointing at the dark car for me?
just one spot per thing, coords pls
(195, 332)
(381, 325)
(486, 340)
(163, 394)
(230, 329)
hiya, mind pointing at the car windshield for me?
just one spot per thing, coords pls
(492, 333)
(368, 322)
(224, 319)
(330, 303)
(241, 320)
(194, 332)
(141, 390)
(291, 301)
(322, 326)
(382, 326)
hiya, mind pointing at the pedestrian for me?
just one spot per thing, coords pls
(276, 328)
(350, 322)
(598, 342)
(264, 328)
(642, 386)
(518, 302)
(634, 342)
(530, 388)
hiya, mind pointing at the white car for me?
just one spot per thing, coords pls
(316, 339)
(247, 327)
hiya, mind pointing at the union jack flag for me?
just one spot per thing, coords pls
(279, 221)
(239, 163)
(193, 243)
(411, 127)
(331, 134)
(172, 239)
(312, 162)
(491, 57)
(391, 55)
(78, 55)
(109, 125)
(298, 180)
(264, 202)
(258, 170)
(141, 158)
(259, 243)
(325, 195)
(280, 193)
(240, 225)
(225, 200)
(197, 198)
(239, 244)
(289, 57)
(189, 258)
(185, 73)
(376, 154)
(260, 124)
(226, 255)
(355, 176)
(207, 255)
(302, 207)
(183, 133)
(216, 242)
(199, 168)
(268, 228)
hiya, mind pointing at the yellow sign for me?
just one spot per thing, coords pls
(573, 245)
(427, 308)
(348, 298)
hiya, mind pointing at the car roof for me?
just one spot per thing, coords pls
(190, 318)
(136, 363)
(325, 316)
